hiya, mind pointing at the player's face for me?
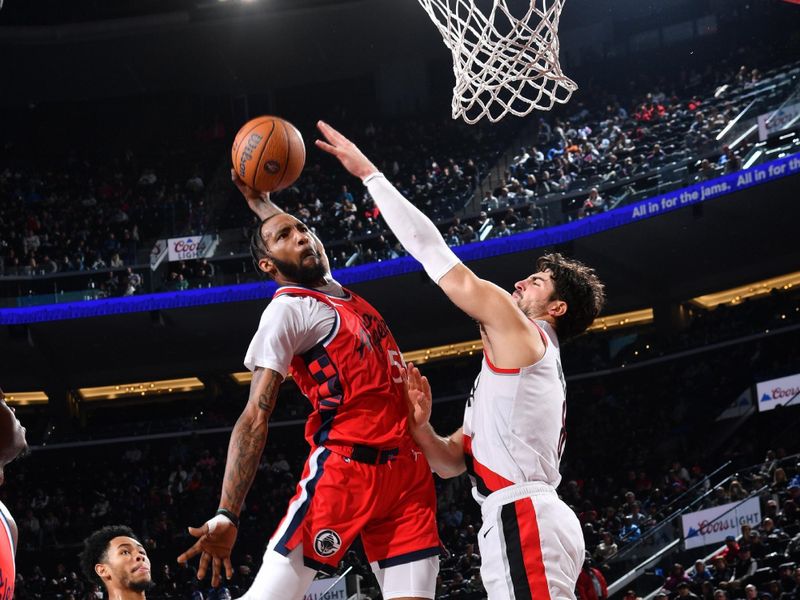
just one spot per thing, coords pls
(12, 435)
(127, 565)
(535, 294)
(293, 251)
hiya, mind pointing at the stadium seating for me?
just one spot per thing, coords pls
(636, 439)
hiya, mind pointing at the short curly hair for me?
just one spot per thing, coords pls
(95, 548)
(578, 286)
(258, 246)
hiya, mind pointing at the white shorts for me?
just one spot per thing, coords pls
(287, 578)
(531, 544)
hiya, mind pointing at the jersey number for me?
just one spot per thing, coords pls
(396, 364)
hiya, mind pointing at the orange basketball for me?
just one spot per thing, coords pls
(268, 153)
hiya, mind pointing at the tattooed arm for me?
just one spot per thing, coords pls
(259, 202)
(217, 536)
(248, 439)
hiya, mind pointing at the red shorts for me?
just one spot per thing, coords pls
(391, 505)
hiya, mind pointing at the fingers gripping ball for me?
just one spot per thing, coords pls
(268, 154)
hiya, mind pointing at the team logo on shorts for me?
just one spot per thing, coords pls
(327, 542)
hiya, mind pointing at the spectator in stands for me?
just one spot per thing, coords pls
(630, 500)
(793, 490)
(676, 576)
(758, 549)
(489, 202)
(469, 561)
(640, 519)
(769, 465)
(731, 551)
(779, 480)
(721, 572)
(593, 204)
(684, 592)
(699, 574)
(630, 531)
(795, 480)
(133, 281)
(786, 580)
(791, 516)
(736, 491)
(657, 154)
(606, 548)
(591, 584)
(743, 569)
(771, 508)
(729, 161)
(706, 591)
(771, 532)
(502, 230)
(706, 170)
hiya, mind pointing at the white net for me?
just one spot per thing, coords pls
(502, 63)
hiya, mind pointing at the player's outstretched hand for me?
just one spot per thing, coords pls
(346, 151)
(215, 539)
(418, 396)
(259, 202)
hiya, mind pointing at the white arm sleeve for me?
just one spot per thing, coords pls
(289, 326)
(413, 229)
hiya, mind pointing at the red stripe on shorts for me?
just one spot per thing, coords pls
(532, 548)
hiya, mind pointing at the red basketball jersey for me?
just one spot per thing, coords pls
(7, 567)
(352, 377)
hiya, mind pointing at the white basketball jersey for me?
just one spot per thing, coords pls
(514, 422)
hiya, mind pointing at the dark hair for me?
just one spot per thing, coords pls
(95, 548)
(258, 247)
(578, 286)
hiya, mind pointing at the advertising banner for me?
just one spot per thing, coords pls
(775, 120)
(186, 248)
(320, 589)
(778, 392)
(713, 525)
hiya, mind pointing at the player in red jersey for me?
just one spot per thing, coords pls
(12, 445)
(365, 475)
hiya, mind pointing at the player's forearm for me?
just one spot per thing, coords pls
(264, 207)
(415, 231)
(244, 454)
(444, 454)
(248, 439)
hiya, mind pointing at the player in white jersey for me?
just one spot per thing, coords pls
(513, 434)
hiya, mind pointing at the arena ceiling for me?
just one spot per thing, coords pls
(58, 12)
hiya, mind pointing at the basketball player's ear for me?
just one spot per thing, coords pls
(103, 572)
(557, 308)
(268, 267)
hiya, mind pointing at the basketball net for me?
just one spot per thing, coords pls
(502, 64)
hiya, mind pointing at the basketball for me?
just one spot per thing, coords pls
(268, 153)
